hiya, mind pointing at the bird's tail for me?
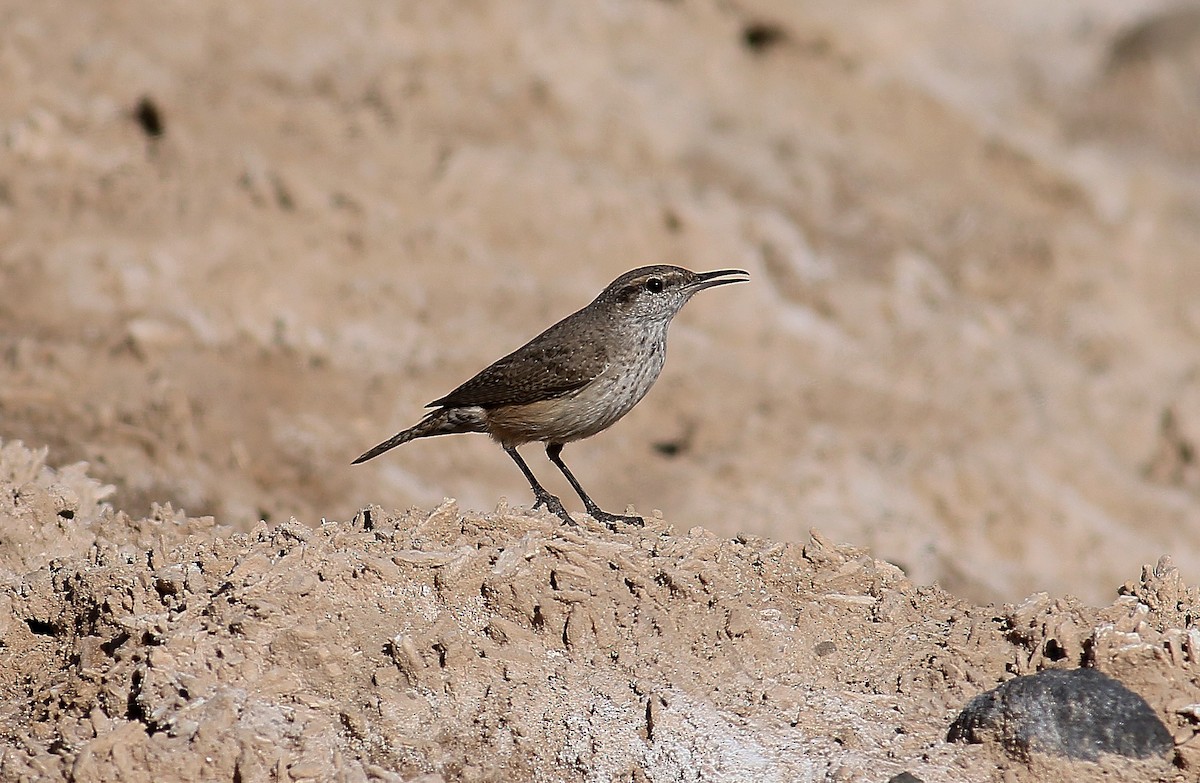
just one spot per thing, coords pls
(443, 421)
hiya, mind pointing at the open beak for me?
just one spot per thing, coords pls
(720, 277)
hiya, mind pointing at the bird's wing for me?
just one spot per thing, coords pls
(542, 369)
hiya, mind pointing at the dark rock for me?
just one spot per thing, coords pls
(905, 777)
(761, 36)
(1077, 713)
(149, 117)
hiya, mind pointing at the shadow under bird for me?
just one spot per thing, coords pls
(573, 380)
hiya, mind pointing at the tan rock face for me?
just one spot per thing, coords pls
(240, 245)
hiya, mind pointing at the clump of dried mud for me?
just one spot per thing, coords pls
(450, 645)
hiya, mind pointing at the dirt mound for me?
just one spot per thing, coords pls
(506, 646)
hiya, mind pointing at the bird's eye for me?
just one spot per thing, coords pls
(654, 285)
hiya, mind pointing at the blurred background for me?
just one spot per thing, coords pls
(241, 243)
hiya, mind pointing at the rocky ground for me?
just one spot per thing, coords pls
(504, 646)
(239, 244)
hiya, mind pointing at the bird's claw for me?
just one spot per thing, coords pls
(611, 520)
(554, 506)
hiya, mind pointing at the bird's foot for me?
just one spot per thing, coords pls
(554, 506)
(611, 520)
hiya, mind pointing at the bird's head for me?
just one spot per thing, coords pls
(656, 293)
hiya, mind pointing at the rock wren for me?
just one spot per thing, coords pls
(573, 380)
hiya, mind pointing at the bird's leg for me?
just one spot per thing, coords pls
(553, 451)
(544, 498)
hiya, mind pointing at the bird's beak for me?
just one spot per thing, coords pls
(719, 277)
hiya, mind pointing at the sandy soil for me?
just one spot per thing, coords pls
(241, 243)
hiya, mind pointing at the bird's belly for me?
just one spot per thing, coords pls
(577, 415)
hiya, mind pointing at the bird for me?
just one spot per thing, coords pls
(572, 381)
